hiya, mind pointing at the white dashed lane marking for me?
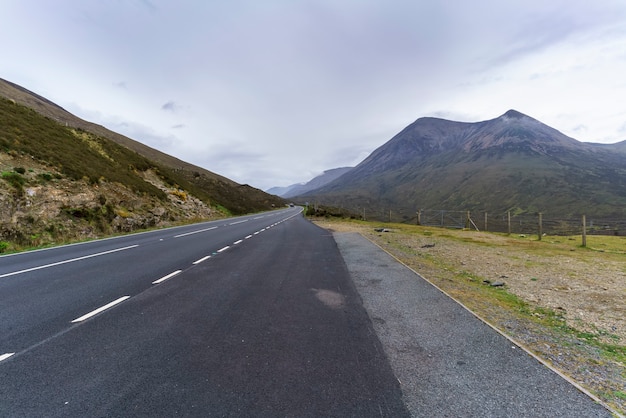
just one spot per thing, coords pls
(101, 309)
(169, 276)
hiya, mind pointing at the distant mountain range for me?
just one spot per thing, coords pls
(511, 163)
(317, 182)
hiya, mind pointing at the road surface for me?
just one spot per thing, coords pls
(249, 317)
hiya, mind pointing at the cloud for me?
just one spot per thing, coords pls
(270, 93)
(170, 106)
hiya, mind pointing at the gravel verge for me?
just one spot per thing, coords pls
(448, 362)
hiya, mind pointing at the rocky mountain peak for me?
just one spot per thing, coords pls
(513, 114)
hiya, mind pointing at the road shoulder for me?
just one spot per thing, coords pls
(449, 362)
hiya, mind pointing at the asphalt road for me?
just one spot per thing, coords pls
(254, 316)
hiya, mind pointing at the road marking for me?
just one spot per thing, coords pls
(248, 237)
(257, 233)
(259, 217)
(239, 222)
(223, 249)
(5, 356)
(238, 242)
(195, 232)
(201, 260)
(100, 309)
(58, 263)
(169, 276)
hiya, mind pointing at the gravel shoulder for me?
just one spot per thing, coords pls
(563, 305)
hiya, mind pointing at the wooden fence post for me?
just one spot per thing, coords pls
(540, 225)
(508, 213)
(584, 221)
(419, 217)
(485, 221)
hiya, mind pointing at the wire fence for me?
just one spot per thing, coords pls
(529, 224)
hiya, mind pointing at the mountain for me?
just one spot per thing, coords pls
(206, 185)
(513, 162)
(315, 183)
(62, 178)
(282, 191)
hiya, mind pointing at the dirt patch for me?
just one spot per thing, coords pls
(555, 279)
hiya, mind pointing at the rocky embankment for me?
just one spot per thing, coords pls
(39, 206)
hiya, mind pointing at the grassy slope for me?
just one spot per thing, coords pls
(206, 185)
(76, 153)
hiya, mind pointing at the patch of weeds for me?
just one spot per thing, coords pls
(45, 176)
(13, 178)
(3, 246)
(16, 180)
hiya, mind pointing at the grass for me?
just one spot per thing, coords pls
(80, 154)
(588, 351)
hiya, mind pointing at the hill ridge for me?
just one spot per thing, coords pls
(512, 162)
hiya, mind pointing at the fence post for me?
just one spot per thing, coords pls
(584, 220)
(485, 221)
(419, 217)
(540, 225)
(467, 220)
(508, 213)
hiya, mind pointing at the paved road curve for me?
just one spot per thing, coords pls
(246, 317)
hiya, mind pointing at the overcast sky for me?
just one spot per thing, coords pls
(273, 92)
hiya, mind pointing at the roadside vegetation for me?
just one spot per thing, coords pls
(563, 302)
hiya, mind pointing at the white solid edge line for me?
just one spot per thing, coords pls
(169, 276)
(100, 309)
(239, 222)
(67, 261)
(223, 249)
(195, 232)
(238, 242)
(201, 260)
(5, 356)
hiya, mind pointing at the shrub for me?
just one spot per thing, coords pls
(45, 176)
(14, 179)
